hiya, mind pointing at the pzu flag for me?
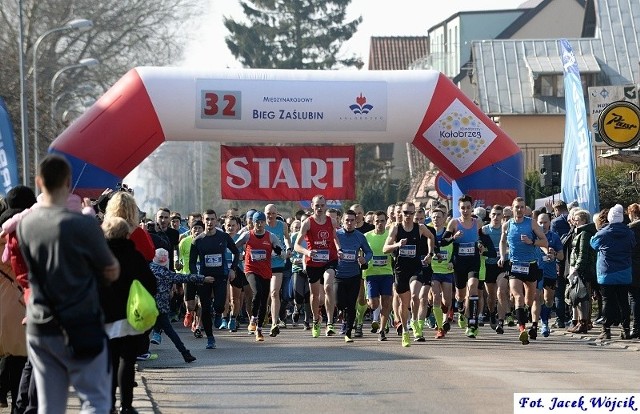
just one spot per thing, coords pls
(578, 180)
(8, 164)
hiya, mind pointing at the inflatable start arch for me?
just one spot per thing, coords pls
(150, 105)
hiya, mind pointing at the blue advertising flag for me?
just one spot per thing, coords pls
(578, 181)
(8, 164)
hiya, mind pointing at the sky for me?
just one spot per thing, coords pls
(409, 18)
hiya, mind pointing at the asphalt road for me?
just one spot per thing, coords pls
(296, 373)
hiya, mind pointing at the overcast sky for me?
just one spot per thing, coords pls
(408, 18)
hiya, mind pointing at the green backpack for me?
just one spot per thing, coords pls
(141, 307)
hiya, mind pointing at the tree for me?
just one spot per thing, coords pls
(615, 185)
(126, 33)
(292, 34)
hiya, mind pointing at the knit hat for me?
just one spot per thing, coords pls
(162, 257)
(198, 223)
(19, 198)
(259, 215)
(616, 214)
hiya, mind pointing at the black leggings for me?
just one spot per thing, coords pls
(261, 288)
(300, 288)
(347, 291)
(123, 360)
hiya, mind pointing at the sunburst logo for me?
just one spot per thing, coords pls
(459, 135)
(361, 106)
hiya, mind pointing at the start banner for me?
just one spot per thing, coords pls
(287, 173)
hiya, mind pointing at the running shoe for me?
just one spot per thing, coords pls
(375, 325)
(307, 327)
(197, 333)
(533, 333)
(330, 331)
(223, 325)
(211, 343)
(471, 332)
(295, 317)
(188, 319)
(233, 325)
(545, 330)
(510, 321)
(524, 337)
(282, 324)
(462, 321)
(406, 340)
(275, 330)
(315, 331)
(446, 326)
(398, 326)
(500, 329)
(414, 328)
(450, 315)
(156, 338)
(147, 356)
(252, 326)
(343, 328)
(493, 322)
(259, 336)
(440, 334)
(358, 331)
(348, 339)
(431, 321)
(188, 357)
(481, 320)
(217, 321)
(381, 336)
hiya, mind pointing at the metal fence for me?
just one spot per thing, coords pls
(531, 154)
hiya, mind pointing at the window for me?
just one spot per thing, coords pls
(548, 85)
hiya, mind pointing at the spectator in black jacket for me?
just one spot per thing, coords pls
(123, 338)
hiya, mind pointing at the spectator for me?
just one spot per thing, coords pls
(633, 211)
(615, 244)
(68, 248)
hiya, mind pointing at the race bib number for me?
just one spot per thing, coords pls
(443, 256)
(379, 260)
(258, 255)
(213, 260)
(408, 250)
(320, 256)
(520, 268)
(467, 249)
(348, 255)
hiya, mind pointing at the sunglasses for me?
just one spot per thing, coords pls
(408, 213)
(349, 220)
(381, 221)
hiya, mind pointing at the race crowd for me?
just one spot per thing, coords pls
(409, 270)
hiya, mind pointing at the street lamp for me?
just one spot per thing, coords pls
(83, 63)
(76, 24)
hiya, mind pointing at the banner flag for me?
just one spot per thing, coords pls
(287, 173)
(578, 181)
(8, 163)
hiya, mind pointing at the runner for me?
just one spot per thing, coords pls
(496, 282)
(259, 248)
(522, 237)
(379, 274)
(321, 259)
(464, 232)
(442, 279)
(548, 264)
(281, 231)
(403, 242)
(349, 274)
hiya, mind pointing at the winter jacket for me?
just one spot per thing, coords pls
(165, 279)
(635, 256)
(132, 266)
(583, 257)
(614, 243)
